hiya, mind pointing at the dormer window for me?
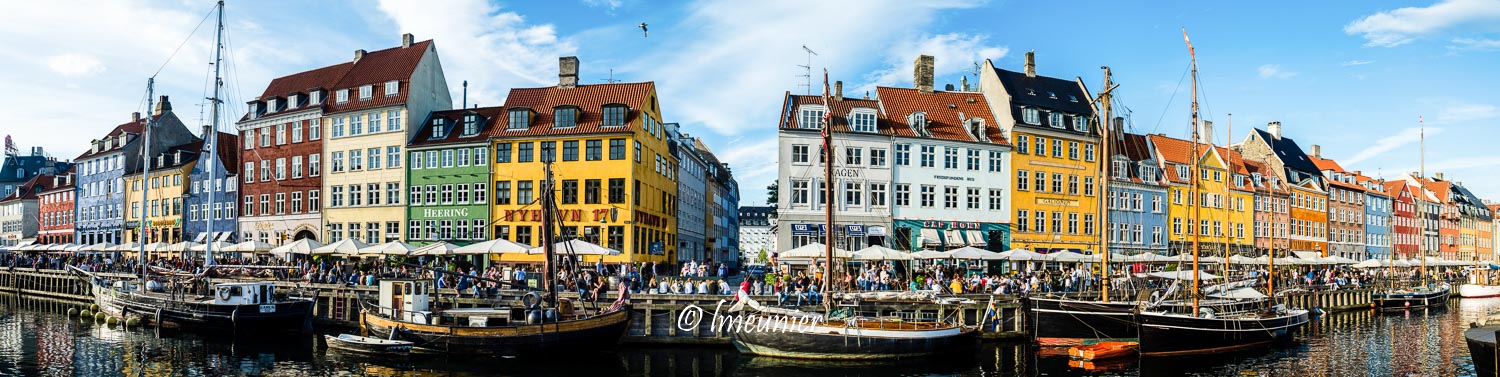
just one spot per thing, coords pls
(1183, 173)
(342, 96)
(392, 88)
(811, 117)
(1055, 120)
(862, 120)
(519, 119)
(565, 117)
(614, 115)
(439, 127)
(1148, 172)
(291, 101)
(251, 111)
(1119, 168)
(1031, 115)
(271, 105)
(471, 124)
(1080, 123)
(918, 120)
(1071, 98)
(367, 91)
(316, 97)
(1051, 95)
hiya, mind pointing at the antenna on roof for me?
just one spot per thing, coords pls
(611, 78)
(807, 70)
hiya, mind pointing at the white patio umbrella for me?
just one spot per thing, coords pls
(1370, 263)
(1022, 255)
(388, 248)
(810, 251)
(347, 246)
(495, 246)
(74, 247)
(218, 246)
(63, 247)
(973, 253)
(575, 247)
(249, 247)
(156, 247)
(1067, 256)
(179, 247)
(436, 248)
(933, 254)
(877, 252)
(303, 246)
(102, 246)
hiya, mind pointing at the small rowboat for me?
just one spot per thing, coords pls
(363, 344)
(1103, 350)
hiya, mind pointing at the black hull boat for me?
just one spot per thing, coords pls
(235, 308)
(1064, 323)
(1417, 298)
(367, 345)
(600, 332)
(1481, 342)
(851, 340)
(1168, 334)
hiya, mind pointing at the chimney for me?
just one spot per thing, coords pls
(135, 116)
(1030, 64)
(1119, 128)
(1317, 150)
(1274, 128)
(922, 74)
(838, 89)
(1438, 175)
(964, 82)
(567, 72)
(360, 53)
(407, 40)
(162, 106)
(1205, 132)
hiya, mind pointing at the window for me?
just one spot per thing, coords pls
(280, 169)
(447, 158)
(249, 209)
(549, 151)
(903, 194)
(373, 190)
(853, 155)
(1031, 116)
(811, 117)
(614, 115)
(1055, 120)
(929, 156)
(249, 172)
(862, 121)
(570, 150)
(373, 158)
(502, 193)
(439, 127)
(593, 152)
(1057, 183)
(519, 119)
(1088, 186)
(570, 191)
(523, 192)
(481, 192)
(617, 149)
(564, 117)
(523, 152)
(1073, 150)
(463, 157)
(1057, 223)
(356, 160)
(853, 193)
(392, 88)
(357, 125)
(973, 198)
(929, 196)
(1057, 150)
(280, 203)
(1081, 124)
(356, 195)
(447, 193)
(877, 194)
(877, 157)
(296, 132)
(950, 158)
(341, 96)
(1021, 224)
(903, 154)
(281, 134)
(616, 190)
(265, 172)
(1023, 180)
(1041, 146)
(265, 204)
(265, 137)
(314, 130)
(591, 189)
(1072, 184)
(366, 91)
(1040, 223)
(338, 127)
(637, 151)
(392, 120)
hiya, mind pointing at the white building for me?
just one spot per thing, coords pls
(757, 233)
(861, 167)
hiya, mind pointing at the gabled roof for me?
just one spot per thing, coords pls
(491, 122)
(1045, 92)
(1266, 175)
(839, 112)
(229, 154)
(130, 128)
(1326, 164)
(1290, 154)
(1179, 151)
(590, 101)
(28, 190)
(300, 83)
(1136, 148)
(376, 68)
(946, 114)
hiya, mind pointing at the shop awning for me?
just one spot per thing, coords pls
(930, 237)
(952, 238)
(976, 238)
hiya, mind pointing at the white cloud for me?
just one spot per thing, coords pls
(1390, 143)
(1274, 71)
(1466, 113)
(75, 65)
(1355, 62)
(952, 53)
(493, 49)
(1475, 44)
(611, 4)
(1402, 26)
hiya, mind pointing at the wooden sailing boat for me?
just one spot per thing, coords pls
(1169, 333)
(1426, 294)
(850, 338)
(232, 306)
(540, 327)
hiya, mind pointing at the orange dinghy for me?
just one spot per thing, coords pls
(1103, 350)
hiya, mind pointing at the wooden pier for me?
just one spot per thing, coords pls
(658, 319)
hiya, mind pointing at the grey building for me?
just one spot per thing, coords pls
(692, 196)
(101, 171)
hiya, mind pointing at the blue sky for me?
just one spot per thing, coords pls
(1350, 76)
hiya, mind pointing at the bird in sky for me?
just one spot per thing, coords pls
(643, 30)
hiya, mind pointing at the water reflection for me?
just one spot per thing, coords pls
(37, 338)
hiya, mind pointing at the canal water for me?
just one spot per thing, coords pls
(38, 338)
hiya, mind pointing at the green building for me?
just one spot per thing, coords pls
(448, 174)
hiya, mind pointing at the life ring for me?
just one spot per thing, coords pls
(1206, 313)
(532, 300)
(223, 293)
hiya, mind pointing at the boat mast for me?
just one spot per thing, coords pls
(1108, 136)
(1194, 176)
(1422, 175)
(1228, 176)
(547, 220)
(827, 186)
(212, 136)
(140, 226)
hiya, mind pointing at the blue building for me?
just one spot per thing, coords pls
(1137, 196)
(1378, 217)
(221, 183)
(101, 171)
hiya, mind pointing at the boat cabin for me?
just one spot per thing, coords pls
(253, 293)
(406, 300)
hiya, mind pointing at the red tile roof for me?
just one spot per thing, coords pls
(1266, 174)
(377, 68)
(1178, 151)
(1326, 164)
(590, 100)
(945, 113)
(840, 108)
(28, 190)
(300, 82)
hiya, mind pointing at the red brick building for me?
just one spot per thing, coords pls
(56, 210)
(1405, 228)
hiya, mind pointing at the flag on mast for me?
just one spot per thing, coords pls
(1189, 43)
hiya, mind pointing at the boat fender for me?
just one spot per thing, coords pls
(533, 317)
(223, 293)
(550, 314)
(532, 300)
(1206, 313)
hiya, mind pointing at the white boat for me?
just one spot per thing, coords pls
(1479, 285)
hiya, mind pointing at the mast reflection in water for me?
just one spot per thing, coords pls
(38, 338)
